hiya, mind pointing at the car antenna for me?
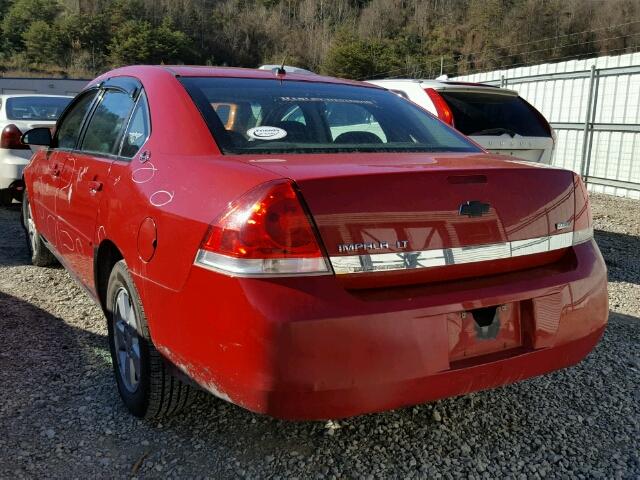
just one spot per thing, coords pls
(280, 71)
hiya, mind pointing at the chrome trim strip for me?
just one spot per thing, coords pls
(375, 262)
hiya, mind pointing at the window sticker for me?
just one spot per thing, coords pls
(328, 100)
(134, 136)
(266, 133)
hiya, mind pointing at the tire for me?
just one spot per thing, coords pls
(144, 379)
(41, 256)
(6, 198)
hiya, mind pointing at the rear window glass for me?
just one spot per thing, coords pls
(36, 108)
(264, 116)
(492, 114)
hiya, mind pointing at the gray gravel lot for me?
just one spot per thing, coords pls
(60, 415)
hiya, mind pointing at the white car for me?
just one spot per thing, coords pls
(496, 118)
(19, 113)
(287, 68)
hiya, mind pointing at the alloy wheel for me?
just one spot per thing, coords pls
(126, 340)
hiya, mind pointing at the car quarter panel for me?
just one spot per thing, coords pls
(178, 180)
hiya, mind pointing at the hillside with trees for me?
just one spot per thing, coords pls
(349, 38)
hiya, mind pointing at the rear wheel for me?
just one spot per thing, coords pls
(144, 379)
(40, 254)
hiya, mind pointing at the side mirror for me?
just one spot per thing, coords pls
(38, 136)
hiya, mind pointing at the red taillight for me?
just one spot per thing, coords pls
(442, 108)
(11, 138)
(266, 231)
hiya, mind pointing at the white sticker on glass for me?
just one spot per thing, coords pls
(266, 133)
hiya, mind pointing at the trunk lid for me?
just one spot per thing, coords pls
(374, 212)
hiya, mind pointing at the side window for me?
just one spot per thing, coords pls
(105, 128)
(68, 129)
(138, 130)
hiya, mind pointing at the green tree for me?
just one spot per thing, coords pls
(170, 45)
(139, 42)
(21, 15)
(131, 43)
(360, 59)
(42, 43)
(85, 39)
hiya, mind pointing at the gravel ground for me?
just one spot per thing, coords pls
(60, 415)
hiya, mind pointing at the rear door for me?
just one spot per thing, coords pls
(48, 182)
(500, 121)
(86, 170)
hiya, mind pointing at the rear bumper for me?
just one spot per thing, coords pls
(449, 383)
(12, 163)
(311, 349)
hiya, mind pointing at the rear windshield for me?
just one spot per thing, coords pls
(494, 114)
(36, 108)
(270, 116)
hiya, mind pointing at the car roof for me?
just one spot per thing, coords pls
(221, 72)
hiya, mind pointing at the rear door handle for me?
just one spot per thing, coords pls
(95, 186)
(55, 170)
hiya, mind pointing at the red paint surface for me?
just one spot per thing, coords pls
(327, 347)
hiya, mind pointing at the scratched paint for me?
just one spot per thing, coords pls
(102, 233)
(194, 373)
(144, 174)
(161, 198)
(69, 186)
(81, 173)
(67, 242)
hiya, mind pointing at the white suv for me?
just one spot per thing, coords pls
(19, 113)
(496, 118)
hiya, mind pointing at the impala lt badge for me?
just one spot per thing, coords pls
(382, 245)
(474, 208)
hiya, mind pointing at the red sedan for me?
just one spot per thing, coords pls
(307, 247)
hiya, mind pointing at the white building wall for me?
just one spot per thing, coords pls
(51, 86)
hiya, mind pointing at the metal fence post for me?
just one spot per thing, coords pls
(594, 109)
(587, 124)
